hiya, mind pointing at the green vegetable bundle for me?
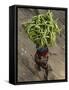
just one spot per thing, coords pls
(43, 29)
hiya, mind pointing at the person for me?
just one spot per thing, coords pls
(41, 60)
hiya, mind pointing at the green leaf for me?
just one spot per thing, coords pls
(43, 29)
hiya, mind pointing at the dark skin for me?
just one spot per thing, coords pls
(42, 62)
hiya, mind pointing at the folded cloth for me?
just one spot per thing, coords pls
(42, 51)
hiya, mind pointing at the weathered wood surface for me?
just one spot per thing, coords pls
(27, 70)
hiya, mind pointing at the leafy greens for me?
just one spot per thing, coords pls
(43, 29)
